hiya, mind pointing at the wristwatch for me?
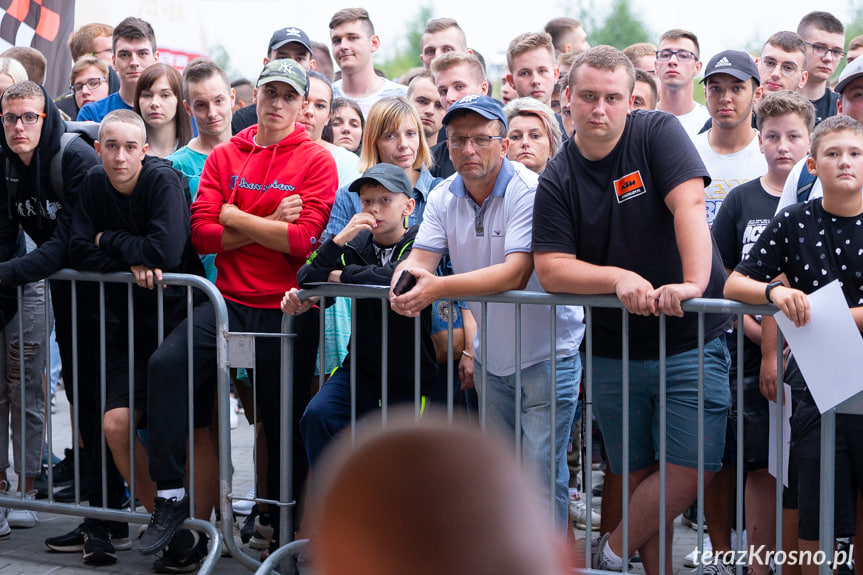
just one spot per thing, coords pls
(769, 289)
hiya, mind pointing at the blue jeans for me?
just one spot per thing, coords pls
(681, 412)
(536, 422)
(10, 383)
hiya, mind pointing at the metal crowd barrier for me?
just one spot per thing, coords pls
(519, 299)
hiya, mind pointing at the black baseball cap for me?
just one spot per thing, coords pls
(734, 63)
(285, 35)
(389, 176)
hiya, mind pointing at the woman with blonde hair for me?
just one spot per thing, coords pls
(534, 133)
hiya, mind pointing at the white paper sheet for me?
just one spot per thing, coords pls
(829, 350)
(786, 435)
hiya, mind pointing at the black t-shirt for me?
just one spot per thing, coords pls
(813, 248)
(825, 106)
(612, 212)
(244, 118)
(745, 213)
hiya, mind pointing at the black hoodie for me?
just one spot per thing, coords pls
(45, 215)
(148, 227)
(359, 265)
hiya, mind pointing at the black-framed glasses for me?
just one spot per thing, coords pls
(821, 51)
(92, 83)
(478, 141)
(682, 55)
(26, 118)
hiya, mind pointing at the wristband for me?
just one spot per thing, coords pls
(465, 353)
(769, 289)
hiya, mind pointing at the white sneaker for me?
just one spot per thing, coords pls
(690, 559)
(4, 525)
(23, 518)
(578, 514)
(242, 506)
(235, 420)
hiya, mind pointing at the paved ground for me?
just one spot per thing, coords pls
(24, 553)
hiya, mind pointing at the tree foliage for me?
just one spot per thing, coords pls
(408, 54)
(621, 26)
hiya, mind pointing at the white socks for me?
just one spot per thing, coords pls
(171, 493)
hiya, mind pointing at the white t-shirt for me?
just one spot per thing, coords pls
(693, 121)
(728, 171)
(789, 192)
(477, 237)
(388, 88)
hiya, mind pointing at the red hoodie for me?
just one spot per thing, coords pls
(256, 179)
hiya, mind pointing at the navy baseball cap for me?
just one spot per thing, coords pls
(734, 63)
(389, 176)
(488, 108)
(291, 34)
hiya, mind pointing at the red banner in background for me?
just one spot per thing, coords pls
(177, 58)
(44, 25)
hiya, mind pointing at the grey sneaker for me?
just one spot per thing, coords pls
(717, 567)
(167, 515)
(598, 561)
(4, 525)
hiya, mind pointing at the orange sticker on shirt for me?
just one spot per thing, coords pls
(628, 187)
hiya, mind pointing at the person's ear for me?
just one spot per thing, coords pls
(144, 149)
(186, 105)
(98, 148)
(810, 165)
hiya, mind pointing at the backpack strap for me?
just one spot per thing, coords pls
(804, 185)
(56, 168)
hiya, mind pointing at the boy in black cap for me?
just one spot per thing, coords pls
(366, 252)
(290, 42)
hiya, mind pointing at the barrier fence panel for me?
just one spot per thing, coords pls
(232, 351)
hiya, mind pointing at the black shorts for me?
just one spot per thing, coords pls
(848, 477)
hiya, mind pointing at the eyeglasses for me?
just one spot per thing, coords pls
(109, 51)
(821, 51)
(788, 69)
(480, 141)
(682, 55)
(92, 83)
(26, 118)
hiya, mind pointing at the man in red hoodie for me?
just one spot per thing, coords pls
(236, 216)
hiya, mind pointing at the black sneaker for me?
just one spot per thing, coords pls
(71, 542)
(67, 495)
(64, 471)
(40, 484)
(248, 528)
(98, 549)
(167, 515)
(119, 534)
(184, 553)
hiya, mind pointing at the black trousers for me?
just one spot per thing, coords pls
(87, 363)
(167, 397)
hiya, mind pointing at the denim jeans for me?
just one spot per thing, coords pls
(535, 429)
(10, 383)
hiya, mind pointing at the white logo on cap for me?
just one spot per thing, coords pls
(292, 32)
(722, 63)
(287, 67)
(469, 99)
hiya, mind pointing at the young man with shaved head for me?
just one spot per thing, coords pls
(440, 36)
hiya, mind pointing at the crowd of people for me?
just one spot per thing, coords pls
(594, 172)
